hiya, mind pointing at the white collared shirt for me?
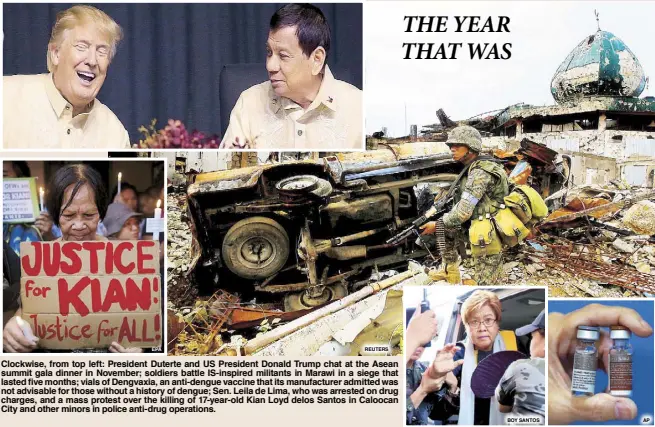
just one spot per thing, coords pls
(36, 115)
(332, 122)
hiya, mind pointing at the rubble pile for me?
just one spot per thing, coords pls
(181, 292)
(203, 329)
(597, 241)
(640, 218)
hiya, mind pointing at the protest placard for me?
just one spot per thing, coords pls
(89, 294)
(19, 200)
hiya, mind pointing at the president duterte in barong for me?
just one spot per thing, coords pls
(60, 109)
(302, 106)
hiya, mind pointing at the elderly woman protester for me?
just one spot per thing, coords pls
(77, 200)
(481, 314)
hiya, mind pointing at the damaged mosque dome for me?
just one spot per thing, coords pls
(600, 65)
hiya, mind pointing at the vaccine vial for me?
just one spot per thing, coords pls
(620, 369)
(585, 361)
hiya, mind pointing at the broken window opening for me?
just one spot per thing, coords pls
(641, 123)
(533, 126)
(585, 124)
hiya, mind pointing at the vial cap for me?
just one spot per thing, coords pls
(619, 332)
(588, 333)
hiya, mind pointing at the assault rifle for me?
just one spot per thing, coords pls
(436, 210)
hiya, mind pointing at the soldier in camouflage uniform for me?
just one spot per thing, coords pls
(522, 391)
(480, 193)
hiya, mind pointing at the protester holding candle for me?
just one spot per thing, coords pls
(122, 223)
(76, 199)
(14, 233)
(41, 204)
(127, 194)
(10, 283)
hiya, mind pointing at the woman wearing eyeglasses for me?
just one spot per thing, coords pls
(481, 314)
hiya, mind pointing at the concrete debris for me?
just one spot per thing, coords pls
(643, 267)
(610, 256)
(180, 291)
(509, 266)
(640, 218)
(623, 246)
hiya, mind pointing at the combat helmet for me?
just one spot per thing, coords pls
(466, 135)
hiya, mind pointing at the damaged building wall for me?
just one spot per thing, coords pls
(609, 146)
(638, 172)
(198, 161)
(195, 161)
(588, 169)
(620, 144)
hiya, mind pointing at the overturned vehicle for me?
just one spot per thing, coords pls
(315, 230)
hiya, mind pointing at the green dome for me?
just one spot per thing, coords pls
(600, 65)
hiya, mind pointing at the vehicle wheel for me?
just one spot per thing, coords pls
(302, 185)
(256, 248)
(301, 301)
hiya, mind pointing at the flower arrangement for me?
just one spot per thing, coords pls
(175, 135)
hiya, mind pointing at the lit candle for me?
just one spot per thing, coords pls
(120, 176)
(41, 192)
(158, 213)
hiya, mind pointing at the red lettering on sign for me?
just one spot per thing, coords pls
(129, 296)
(142, 257)
(96, 296)
(70, 251)
(72, 296)
(126, 332)
(69, 258)
(28, 287)
(118, 260)
(86, 331)
(51, 259)
(109, 258)
(59, 330)
(144, 332)
(72, 334)
(115, 294)
(138, 296)
(105, 331)
(36, 291)
(157, 326)
(129, 328)
(93, 248)
(35, 325)
(33, 270)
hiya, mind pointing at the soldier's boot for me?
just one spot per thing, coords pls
(437, 275)
(448, 272)
(453, 276)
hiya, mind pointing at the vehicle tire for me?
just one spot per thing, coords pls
(299, 184)
(255, 248)
(299, 300)
(303, 185)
